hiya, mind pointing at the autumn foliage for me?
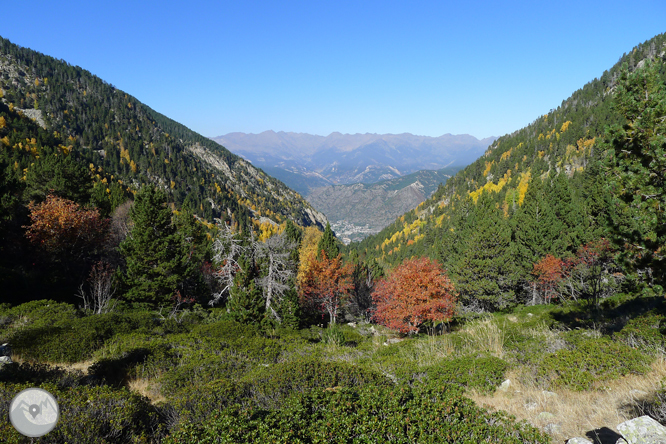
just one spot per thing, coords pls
(415, 292)
(326, 285)
(548, 273)
(62, 228)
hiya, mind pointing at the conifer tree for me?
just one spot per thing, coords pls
(568, 213)
(638, 173)
(246, 302)
(154, 264)
(328, 244)
(537, 231)
(595, 197)
(485, 272)
(60, 176)
(195, 250)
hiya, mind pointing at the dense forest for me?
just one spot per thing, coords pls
(166, 291)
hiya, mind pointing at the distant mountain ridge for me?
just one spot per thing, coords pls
(306, 161)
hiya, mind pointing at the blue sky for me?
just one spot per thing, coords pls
(318, 66)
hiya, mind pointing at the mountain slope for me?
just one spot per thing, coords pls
(350, 208)
(310, 161)
(563, 141)
(129, 143)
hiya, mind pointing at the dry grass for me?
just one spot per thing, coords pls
(575, 413)
(82, 366)
(483, 336)
(147, 388)
(429, 351)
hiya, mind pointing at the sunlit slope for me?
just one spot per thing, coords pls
(129, 143)
(562, 140)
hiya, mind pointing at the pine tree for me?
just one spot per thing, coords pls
(328, 244)
(537, 231)
(195, 250)
(595, 197)
(485, 272)
(638, 173)
(60, 176)
(246, 302)
(569, 214)
(152, 251)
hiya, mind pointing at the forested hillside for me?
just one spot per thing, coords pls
(129, 144)
(542, 190)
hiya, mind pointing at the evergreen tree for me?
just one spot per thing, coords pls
(537, 231)
(59, 175)
(153, 254)
(638, 173)
(568, 212)
(485, 272)
(195, 250)
(595, 198)
(328, 244)
(246, 301)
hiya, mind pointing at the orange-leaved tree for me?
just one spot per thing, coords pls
(326, 285)
(548, 274)
(416, 291)
(65, 231)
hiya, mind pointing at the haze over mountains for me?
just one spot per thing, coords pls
(305, 161)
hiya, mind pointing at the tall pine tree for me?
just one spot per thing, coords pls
(485, 272)
(153, 250)
(328, 244)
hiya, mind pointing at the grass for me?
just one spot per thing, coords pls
(576, 413)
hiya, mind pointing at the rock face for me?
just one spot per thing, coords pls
(579, 441)
(643, 430)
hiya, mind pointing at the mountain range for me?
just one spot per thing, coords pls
(305, 161)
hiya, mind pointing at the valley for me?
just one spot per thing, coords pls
(170, 288)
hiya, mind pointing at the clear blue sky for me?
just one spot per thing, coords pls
(425, 67)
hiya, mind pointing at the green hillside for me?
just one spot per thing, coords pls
(553, 166)
(128, 143)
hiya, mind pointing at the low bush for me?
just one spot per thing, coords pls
(75, 339)
(89, 414)
(370, 414)
(589, 361)
(645, 331)
(483, 374)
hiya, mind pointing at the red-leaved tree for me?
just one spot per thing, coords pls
(548, 274)
(415, 292)
(326, 285)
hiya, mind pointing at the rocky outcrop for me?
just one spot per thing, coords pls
(642, 430)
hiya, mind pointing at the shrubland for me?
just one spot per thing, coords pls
(210, 379)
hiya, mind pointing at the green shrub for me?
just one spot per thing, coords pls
(370, 414)
(333, 335)
(645, 331)
(484, 374)
(271, 385)
(89, 415)
(36, 374)
(225, 329)
(75, 339)
(591, 360)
